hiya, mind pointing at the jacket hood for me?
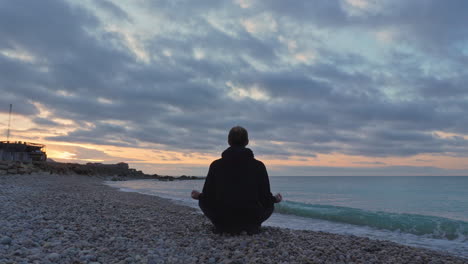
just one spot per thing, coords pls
(237, 153)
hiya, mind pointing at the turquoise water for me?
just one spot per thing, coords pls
(433, 206)
(431, 226)
(438, 196)
(430, 212)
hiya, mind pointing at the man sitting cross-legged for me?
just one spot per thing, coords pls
(236, 196)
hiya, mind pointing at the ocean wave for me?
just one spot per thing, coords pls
(423, 225)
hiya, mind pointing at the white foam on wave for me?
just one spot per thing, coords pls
(455, 247)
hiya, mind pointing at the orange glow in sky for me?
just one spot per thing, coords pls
(154, 160)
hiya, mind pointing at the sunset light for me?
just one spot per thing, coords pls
(143, 83)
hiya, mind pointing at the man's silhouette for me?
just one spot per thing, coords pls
(236, 196)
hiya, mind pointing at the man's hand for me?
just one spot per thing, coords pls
(195, 195)
(278, 197)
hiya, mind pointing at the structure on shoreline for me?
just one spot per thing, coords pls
(22, 151)
(26, 152)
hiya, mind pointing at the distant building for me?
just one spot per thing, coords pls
(22, 151)
(120, 165)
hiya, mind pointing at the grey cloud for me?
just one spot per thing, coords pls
(113, 9)
(216, 43)
(369, 163)
(292, 85)
(36, 25)
(394, 135)
(20, 106)
(173, 9)
(45, 122)
(408, 144)
(181, 103)
(435, 27)
(434, 87)
(101, 134)
(322, 12)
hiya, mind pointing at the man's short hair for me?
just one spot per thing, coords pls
(238, 137)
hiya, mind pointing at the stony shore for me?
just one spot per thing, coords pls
(118, 172)
(77, 219)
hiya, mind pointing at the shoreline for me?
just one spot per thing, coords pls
(67, 218)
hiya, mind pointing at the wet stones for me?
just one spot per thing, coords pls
(5, 240)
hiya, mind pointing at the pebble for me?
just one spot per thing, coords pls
(5, 240)
(89, 258)
(53, 256)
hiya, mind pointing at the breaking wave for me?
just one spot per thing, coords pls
(423, 225)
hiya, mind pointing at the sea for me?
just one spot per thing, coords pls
(427, 212)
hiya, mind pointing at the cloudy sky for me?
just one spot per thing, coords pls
(325, 87)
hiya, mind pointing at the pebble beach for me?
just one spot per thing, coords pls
(77, 219)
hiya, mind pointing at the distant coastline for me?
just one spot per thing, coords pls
(118, 172)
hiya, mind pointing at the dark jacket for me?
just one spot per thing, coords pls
(237, 180)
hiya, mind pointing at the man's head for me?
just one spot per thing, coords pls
(238, 137)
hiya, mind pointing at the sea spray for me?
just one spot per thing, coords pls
(431, 226)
